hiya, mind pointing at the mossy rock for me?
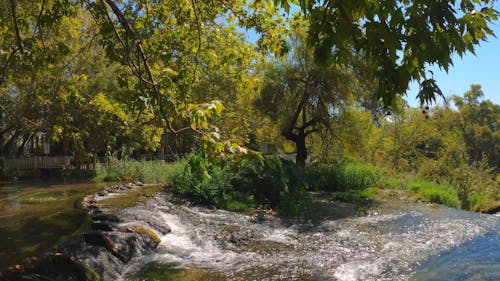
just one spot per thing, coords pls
(157, 271)
(91, 275)
(488, 207)
(130, 198)
(144, 230)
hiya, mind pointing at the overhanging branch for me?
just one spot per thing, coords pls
(16, 27)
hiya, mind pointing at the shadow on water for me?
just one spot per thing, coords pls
(35, 217)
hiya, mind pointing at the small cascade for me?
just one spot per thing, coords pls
(389, 245)
(162, 240)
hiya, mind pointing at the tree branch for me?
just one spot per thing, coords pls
(6, 66)
(16, 27)
(288, 128)
(198, 24)
(311, 131)
(310, 123)
(347, 21)
(128, 28)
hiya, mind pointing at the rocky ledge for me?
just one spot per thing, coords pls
(102, 252)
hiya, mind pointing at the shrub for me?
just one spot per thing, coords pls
(209, 188)
(242, 184)
(274, 183)
(435, 193)
(343, 177)
(132, 170)
(391, 182)
(475, 201)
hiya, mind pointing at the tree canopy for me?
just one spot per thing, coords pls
(399, 38)
(145, 72)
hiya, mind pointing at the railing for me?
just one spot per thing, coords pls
(39, 162)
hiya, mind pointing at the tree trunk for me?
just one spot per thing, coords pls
(300, 145)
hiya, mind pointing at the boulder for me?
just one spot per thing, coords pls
(101, 226)
(105, 217)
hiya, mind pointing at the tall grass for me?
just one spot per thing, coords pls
(344, 177)
(133, 170)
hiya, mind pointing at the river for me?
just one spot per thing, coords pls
(398, 241)
(36, 216)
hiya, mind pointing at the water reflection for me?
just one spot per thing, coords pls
(35, 217)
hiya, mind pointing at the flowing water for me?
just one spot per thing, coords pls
(401, 241)
(34, 217)
(398, 241)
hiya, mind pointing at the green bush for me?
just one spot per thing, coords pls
(343, 177)
(391, 182)
(476, 200)
(274, 183)
(131, 170)
(243, 184)
(435, 193)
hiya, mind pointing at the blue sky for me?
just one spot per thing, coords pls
(483, 69)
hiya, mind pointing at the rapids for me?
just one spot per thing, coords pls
(399, 241)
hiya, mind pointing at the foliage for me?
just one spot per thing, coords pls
(475, 201)
(347, 176)
(479, 123)
(435, 193)
(398, 38)
(133, 170)
(275, 183)
(303, 96)
(243, 184)
(357, 196)
(208, 184)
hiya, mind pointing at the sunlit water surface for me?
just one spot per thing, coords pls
(402, 241)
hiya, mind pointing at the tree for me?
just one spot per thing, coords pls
(399, 38)
(304, 97)
(480, 125)
(63, 89)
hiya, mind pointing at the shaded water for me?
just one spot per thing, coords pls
(399, 242)
(35, 217)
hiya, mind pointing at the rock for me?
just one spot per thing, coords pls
(102, 193)
(87, 203)
(105, 217)
(50, 268)
(96, 238)
(123, 245)
(101, 226)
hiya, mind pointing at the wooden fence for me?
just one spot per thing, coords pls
(44, 162)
